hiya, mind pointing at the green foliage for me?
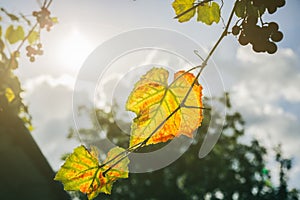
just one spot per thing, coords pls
(14, 35)
(33, 37)
(181, 6)
(9, 94)
(207, 11)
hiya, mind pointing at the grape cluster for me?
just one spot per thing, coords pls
(32, 52)
(262, 38)
(43, 18)
(270, 5)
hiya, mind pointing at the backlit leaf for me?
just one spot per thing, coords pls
(10, 95)
(245, 8)
(182, 5)
(240, 8)
(209, 13)
(14, 35)
(83, 172)
(30, 127)
(33, 37)
(54, 20)
(153, 100)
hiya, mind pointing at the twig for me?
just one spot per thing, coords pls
(197, 54)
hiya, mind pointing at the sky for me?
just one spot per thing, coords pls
(264, 88)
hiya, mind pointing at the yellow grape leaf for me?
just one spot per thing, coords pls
(209, 13)
(245, 7)
(33, 37)
(182, 5)
(240, 8)
(54, 20)
(83, 172)
(10, 95)
(153, 101)
(14, 35)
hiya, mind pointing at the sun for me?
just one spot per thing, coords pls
(74, 49)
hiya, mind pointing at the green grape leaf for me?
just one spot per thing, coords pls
(14, 35)
(245, 8)
(33, 37)
(181, 6)
(153, 101)
(83, 172)
(240, 8)
(209, 13)
(265, 171)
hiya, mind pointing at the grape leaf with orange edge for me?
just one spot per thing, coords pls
(154, 101)
(83, 172)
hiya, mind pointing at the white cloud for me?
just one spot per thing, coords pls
(265, 91)
(266, 87)
(50, 104)
(64, 80)
(269, 78)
